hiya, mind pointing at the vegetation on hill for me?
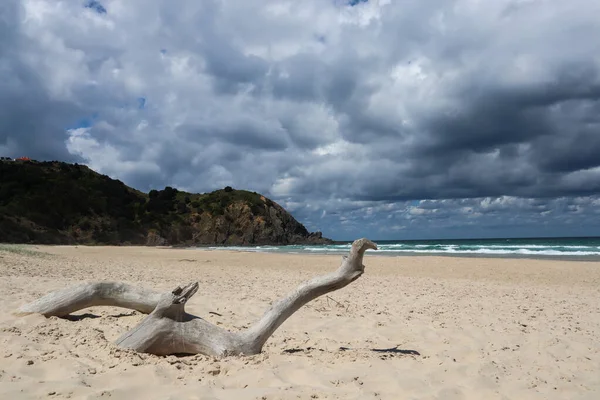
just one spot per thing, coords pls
(59, 203)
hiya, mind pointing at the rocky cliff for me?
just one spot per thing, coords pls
(59, 203)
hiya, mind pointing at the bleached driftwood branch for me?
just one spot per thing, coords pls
(64, 302)
(168, 329)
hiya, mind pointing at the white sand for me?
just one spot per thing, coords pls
(484, 328)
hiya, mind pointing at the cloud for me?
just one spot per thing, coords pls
(349, 113)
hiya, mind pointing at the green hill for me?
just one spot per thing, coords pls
(60, 203)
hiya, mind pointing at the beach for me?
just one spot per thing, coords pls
(409, 328)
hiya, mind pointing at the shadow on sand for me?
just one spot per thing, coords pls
(80, 317)
(391, 350)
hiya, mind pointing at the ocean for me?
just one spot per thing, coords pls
(563, 248)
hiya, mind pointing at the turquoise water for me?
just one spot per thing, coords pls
(578, 248)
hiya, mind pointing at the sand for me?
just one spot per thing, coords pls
(410, 328)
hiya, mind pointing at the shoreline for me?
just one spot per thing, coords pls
(256, 250)
(396, 249)
(585, 258)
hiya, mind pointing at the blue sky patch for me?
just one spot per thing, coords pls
(85, 122)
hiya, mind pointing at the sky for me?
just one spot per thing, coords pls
(387, 119)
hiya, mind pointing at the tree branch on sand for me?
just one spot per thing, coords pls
(169, 329)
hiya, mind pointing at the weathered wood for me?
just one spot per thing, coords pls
(64, 302)
(168, 329)
(350, 270)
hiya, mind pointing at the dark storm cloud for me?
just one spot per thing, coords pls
(348, 114)
(230, 67)
(555, 113)
(296, 78)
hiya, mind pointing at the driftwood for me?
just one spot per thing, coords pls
(168, 329)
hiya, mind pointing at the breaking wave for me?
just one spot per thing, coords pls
(568, 247)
